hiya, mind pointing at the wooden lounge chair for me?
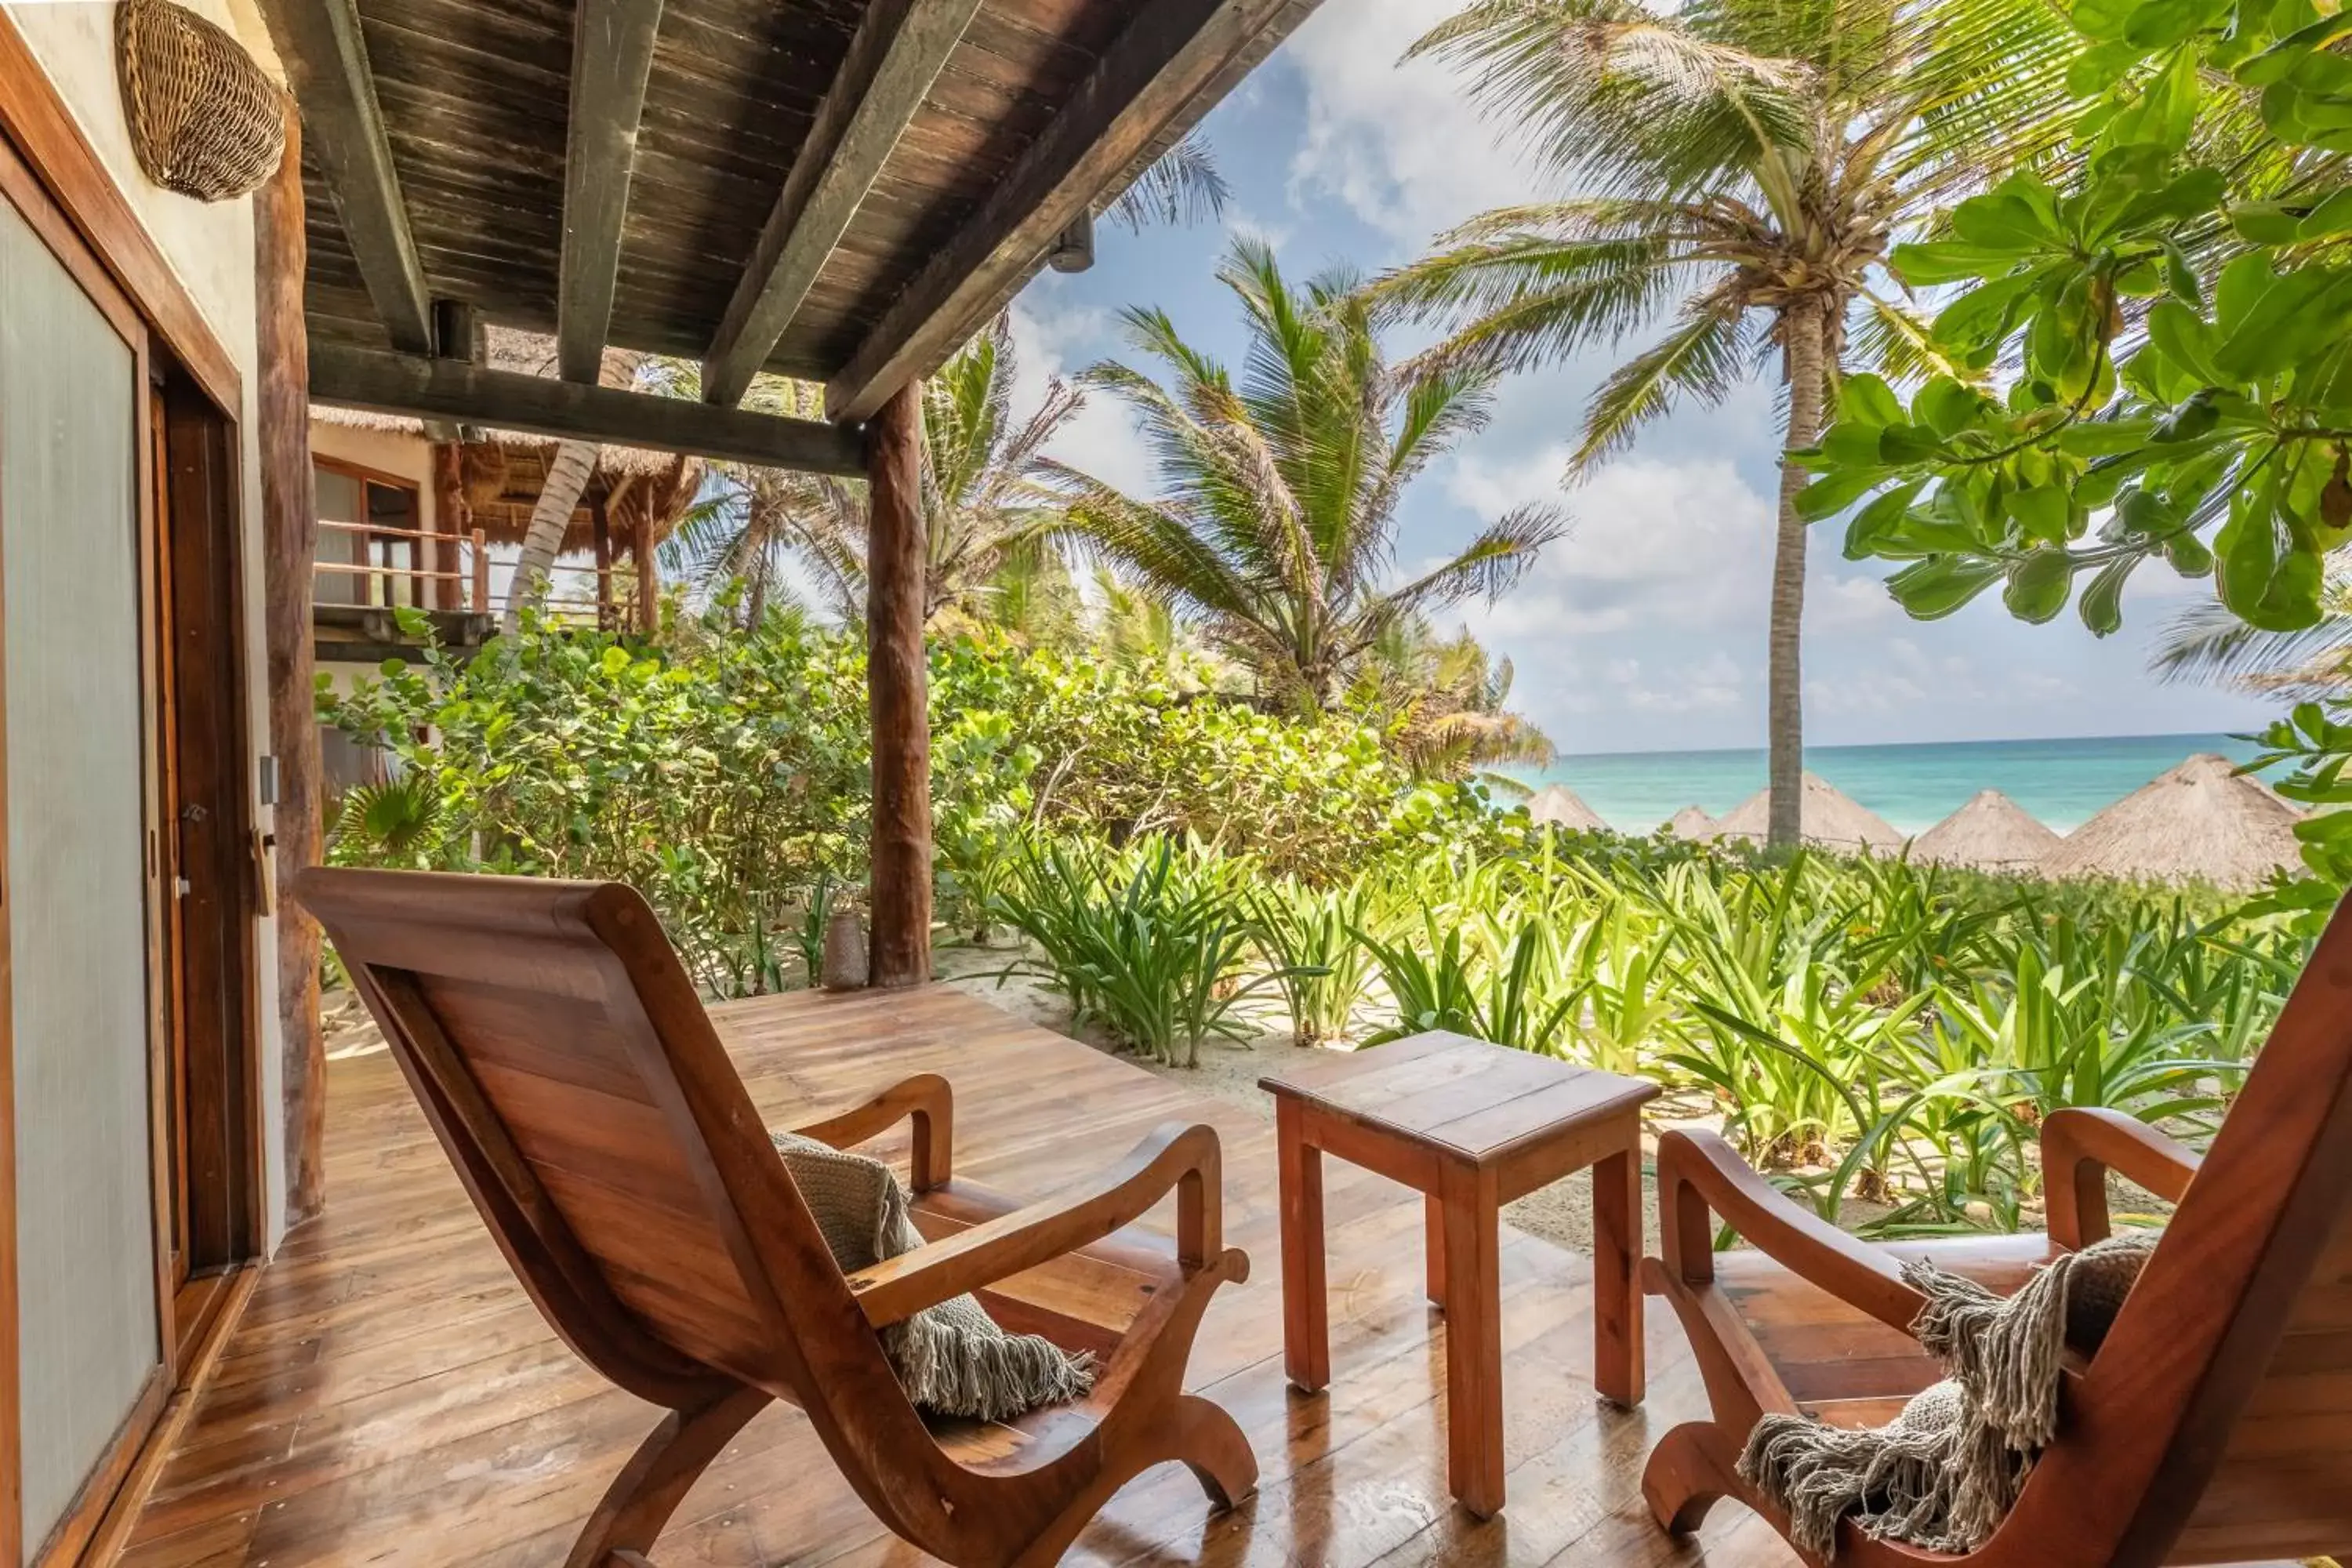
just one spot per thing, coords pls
(2215, 1423)
(570, 1071)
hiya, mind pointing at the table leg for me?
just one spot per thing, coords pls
(1305, 1330)
(1617, 1369)
(1474, 1340)
(1433, 1248)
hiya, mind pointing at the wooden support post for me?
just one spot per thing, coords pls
(641, 547)
(897, 698)
(453, 519)
(289, 534)
(600, 522)
(481, 573)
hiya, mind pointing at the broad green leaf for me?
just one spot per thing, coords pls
(1947, 406)
(2309, 305)
(2273, 63)
(2291, 600)
(2103, 18)
(2143, 511)
(1924, 264)
(2245, 553)
(2002, 219)
(2267, 223)
(1931, 589)
(2160, 23)
(2039, 583)
(2043, 515)
(1832, 493)
(2101, 605)
(1868, 400)
(2181, 277)
(1851, 443)
(1879, 517)
(2181, 335)
(2330, 219)
(2102, 437)
(1903, 444)
(1986, 313)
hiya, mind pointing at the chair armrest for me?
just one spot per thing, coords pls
(2081, 1145)
(1700, 1176)
(926, 1100)
(1176, 1156)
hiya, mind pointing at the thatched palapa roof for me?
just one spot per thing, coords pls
(1991, 832)
(1690, 822)
(1557, 804)
(504, 470)
(1826, 817)
(2202, 822)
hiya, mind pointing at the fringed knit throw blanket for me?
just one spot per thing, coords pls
(1946, 1471)
(952, 1359)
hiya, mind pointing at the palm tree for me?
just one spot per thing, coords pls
(1444, 701)
(988, 500)
(1742, 166)
(1276, 520)
(988, 491)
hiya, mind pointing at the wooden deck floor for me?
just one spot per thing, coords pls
(390, 1397)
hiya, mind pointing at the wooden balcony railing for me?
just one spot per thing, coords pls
(387, 582)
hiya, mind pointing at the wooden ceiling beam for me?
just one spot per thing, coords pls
(1172, 51)
(894, 57)
(612, 56)
(423, 387)
(327, 65)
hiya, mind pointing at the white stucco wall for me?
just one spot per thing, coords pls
(210, 247)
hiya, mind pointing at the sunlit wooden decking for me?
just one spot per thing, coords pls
(392, 1398)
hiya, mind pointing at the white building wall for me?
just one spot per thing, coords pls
(210, 247)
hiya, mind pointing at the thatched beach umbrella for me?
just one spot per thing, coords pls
(2200, 822)
(1826, 816)
(1558, 806)
(1991, 832)
(1690, 822)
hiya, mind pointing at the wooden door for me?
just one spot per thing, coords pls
(212, 852)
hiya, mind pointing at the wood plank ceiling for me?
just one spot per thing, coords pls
(841, 190)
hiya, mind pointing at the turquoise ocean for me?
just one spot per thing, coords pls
(2063, 783)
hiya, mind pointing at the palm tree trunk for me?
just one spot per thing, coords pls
(559, 498)
(1801, 335)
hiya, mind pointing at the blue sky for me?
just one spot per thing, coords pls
(1645, 629)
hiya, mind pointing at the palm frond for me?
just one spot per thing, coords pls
(1182, 185)
(1700, 359)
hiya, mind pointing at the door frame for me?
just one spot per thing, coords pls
(53, 177)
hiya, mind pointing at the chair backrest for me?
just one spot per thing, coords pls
(2215, 1424)
(568, 1068)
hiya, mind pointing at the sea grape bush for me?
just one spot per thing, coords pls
(1178, 868)
(726, 774)
(2148, 351)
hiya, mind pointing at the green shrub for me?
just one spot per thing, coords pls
(1145, 943)
(1309, 935)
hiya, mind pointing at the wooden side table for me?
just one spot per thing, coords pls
(1472, 1126)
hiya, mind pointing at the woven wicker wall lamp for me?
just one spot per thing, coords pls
(204, 120)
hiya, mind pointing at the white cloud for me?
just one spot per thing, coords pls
(1398, 143)
(1839, 604)
(1711, 685)
(1101, 439)
(1651, 544)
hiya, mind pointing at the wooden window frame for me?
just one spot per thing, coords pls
(389, 574)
